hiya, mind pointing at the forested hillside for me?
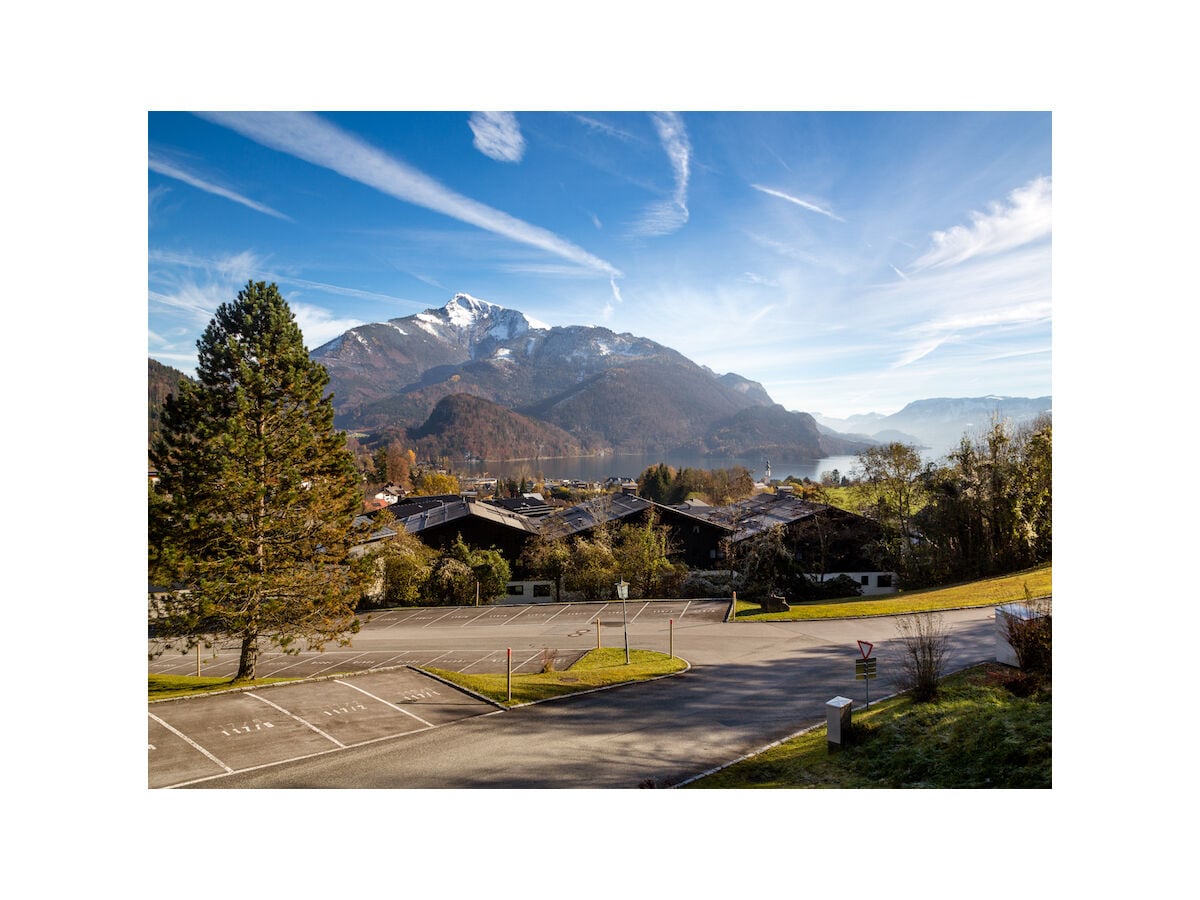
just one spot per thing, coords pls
(162, 382)
(462, 425)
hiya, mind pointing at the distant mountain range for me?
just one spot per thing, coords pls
(939, 423)
(606, 391)
(473, 379)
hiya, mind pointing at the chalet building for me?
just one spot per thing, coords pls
(479, 524)
(826, 540)
(584, 517)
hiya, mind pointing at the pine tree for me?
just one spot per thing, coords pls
(258, 492)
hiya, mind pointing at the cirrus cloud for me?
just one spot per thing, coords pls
(497, 135)
(1024, 219)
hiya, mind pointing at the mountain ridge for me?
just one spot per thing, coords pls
(608, 390)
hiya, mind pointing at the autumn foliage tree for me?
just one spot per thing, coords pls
(258, 493)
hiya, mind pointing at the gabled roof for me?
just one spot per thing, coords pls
(760, 513)
(433, 516)
(591, 513)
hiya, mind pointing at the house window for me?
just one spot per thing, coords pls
(541, 590)
(865, 580)
(516, 590)
(883, 581)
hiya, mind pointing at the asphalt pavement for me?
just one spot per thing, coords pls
(381, 723)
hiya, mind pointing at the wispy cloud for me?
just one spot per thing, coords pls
(237, 269)
(319, 325)
(498, 135)
(317, 141)
(805, 204)
(172, 170)
(604, 128)
(616, 292)
(898, 272)
(670, 215)
(990, 297)
(1024, 219)
(755, 278)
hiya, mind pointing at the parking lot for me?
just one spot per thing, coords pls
(457, 638)
(199, 738)
(368, 692)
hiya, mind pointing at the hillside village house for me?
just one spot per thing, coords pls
(827, 541)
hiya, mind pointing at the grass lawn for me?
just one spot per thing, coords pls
(989, 592)
(977, 734)
(596, 668)
(164, 686)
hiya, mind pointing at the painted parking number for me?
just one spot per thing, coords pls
(343, 710)
(230, 729)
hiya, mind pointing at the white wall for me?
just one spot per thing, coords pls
(871, 588)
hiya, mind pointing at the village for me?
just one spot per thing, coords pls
(828, 543)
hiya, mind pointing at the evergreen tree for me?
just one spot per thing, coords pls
(258, 491)
(655, 483)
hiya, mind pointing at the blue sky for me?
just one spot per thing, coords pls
(850, 262)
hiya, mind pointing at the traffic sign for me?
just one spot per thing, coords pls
(864, 668)
(865, 648)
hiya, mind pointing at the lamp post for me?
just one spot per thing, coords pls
(623, 595)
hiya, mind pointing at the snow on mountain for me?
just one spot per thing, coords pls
(607, 389)
(469, 320)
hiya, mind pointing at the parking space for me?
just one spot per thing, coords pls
(561, 626)
(367, 692)
(206, 737)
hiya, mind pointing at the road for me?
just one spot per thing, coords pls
(749, 685)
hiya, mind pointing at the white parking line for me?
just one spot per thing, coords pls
(477, 662)
(639, 612)
(385, 703)
(448, 612)
(565, 607)
(180, 734)
(298, 719)
(531, 658)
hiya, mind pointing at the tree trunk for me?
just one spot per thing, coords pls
(248, 659)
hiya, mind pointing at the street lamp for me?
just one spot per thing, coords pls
(623, 595)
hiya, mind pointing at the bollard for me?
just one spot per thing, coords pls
(671, 637)
(510, 674)
(837, 722)
(597, 632)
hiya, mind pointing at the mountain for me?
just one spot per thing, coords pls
(609, 391)
(774, 432)
(163, 380)
(465, 426)
(939, 423)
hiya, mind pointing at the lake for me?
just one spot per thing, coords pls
(598, 468)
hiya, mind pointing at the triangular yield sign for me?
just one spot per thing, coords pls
(865, 648)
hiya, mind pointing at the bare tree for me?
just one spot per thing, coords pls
(924, 643)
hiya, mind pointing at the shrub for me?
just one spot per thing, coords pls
(1031, 639)
(835, 588)
(924, 645)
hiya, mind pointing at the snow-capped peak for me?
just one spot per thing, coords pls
(463, 309)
